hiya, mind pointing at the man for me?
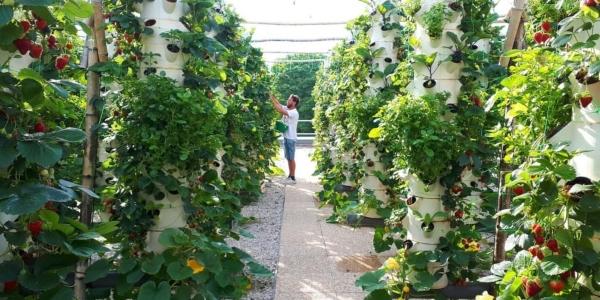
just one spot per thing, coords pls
(290, 118)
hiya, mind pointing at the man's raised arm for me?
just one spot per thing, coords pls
(278, 106)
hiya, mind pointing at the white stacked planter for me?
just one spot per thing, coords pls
(382, 44)
(423, 199)
(217, 164)
(385, 53)
(167, 58)
(167, 54)
(370, 183)
(583, 132)
(447, 73)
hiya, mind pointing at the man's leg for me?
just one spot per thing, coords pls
(292, 165)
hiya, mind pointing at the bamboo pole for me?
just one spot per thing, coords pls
(96, 52)
(514, 39)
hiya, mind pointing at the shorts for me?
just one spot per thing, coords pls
(289, 148)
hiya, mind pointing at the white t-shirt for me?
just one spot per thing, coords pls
(291, 120)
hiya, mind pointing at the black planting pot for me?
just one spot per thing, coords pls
(173, 48)
(430, 83)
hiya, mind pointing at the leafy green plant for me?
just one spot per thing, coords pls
(411, 7)
(539, 99)
(428, 147)
(435, 19)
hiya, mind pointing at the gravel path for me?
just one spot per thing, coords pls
(266, 228)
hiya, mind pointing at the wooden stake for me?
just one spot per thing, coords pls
(96, 52)
(514, 40)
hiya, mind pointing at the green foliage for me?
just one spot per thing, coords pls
(298, 79)
(427, 149)
(538, 96)
(435, 19)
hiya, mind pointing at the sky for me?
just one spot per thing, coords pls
(303, 11)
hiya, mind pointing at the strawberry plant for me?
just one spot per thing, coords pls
(556, 255)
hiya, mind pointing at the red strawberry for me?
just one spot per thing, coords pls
(546, 26)
(552, 245)
(36, 51)
(35, 228)
(539, 240)
(25, 25)
(39, 127)
(459, 214)
(556, 286)
(545, 37)
(590, 3)
(41, 24)
(532, 288)
(537, 229)
(540, 255)
(565, 276)
(61, 62)
(519, 190)
(128, 38)
(534, 250)
(476, 101)
(10, 286)
(51, 42)
(23, 45)
(456, 189)
(585, 101)
(538, 37)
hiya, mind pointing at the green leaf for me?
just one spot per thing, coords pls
(28, 73)
(390, 69)
(566, 172)
(152, 266)
(183, 292)
(172, 237)
(43, 154)
(259, 270)
(6, 14)
(178, 272)
(127, 264)
(555, 265)
(423, 281)
(49, 216)
(371, 281)
(68, 135)
(86, 248)
(28, 198)
(97, 270)
(8, 152)
(52, 237)
(59, 293)
(149, 291)
(39, 283)
(9, 33)
(37, 2)
(513, 81)
(77, 9)
(10, 270)
(54, 262)
(522, 260)
(107, 227)
(32, 91)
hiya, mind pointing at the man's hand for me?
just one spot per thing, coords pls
(278, 107)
